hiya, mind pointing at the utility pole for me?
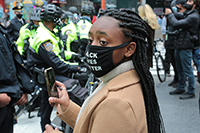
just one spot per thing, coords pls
(103, 4)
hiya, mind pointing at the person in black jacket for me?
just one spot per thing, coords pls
(169, 55)
(10, 91)
(16, 23)
(186, 24)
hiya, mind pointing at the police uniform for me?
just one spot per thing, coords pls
(83, 28)
(15, 25)
(8, 83)
(69, 37)
(25, 32)
(47, 51)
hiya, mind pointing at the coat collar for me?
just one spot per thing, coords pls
(129, 78)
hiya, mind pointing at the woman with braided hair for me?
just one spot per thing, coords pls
(125, 101)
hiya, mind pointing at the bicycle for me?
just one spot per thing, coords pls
(159, 61)
(27, 107)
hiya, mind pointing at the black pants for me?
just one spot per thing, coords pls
(45, 107)
(6, 119)
(169, 58)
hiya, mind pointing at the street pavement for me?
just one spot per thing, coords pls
(179, 116)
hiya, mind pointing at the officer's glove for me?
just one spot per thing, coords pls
(82, 70)
(76, 57)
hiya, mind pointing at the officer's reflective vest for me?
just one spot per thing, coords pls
(83, 28)
(69, 35)
(43, 35)
(24, 34)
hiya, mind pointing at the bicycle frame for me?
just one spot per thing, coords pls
(158, 58)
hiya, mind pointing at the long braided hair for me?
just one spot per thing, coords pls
(135, 28)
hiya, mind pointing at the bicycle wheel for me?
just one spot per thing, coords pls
(160, 68)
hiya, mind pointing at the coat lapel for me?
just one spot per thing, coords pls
(18, 22)
(130, 78)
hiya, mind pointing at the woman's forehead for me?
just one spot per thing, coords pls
(106, 23)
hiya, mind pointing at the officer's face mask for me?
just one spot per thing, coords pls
(19, 14)
(75, 15)
(35, 26)
(58, 22)
(100, 59)
(1, 12)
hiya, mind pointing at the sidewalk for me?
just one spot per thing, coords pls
(32, 125)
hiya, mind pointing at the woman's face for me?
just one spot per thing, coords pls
(105, 32)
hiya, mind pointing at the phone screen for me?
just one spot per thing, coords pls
(50, 82)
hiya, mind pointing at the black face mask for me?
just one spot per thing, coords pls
(19, 16)
(188, 7)
(100, 59)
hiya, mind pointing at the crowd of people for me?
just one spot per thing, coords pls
(117, 45)
(180, 29)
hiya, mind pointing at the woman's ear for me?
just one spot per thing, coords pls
(130, 49)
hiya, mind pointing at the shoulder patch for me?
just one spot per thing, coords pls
(68, 32)
(83, 26)
(48, 46)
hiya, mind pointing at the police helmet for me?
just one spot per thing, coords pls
(35, 14)
(51, 12)
(67, 15)
(73, 9)
(87, 10)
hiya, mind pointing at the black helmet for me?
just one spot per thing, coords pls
(35, 14)
(87, 10)
(51, 12)
(73, 9)
(67, 15)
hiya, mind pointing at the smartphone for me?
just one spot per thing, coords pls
(50, 82)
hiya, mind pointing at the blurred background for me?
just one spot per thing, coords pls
(6, 12)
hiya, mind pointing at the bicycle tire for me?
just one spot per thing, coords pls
(160, 68)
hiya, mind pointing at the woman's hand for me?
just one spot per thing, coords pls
(23, 99)
(61, 103)
(49, 129)
(4, 100)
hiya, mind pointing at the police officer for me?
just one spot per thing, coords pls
(27, 31)
(47, 51)
(68, 32)
(74, 11)
(16, 23)
(10, 91)
(83, 27)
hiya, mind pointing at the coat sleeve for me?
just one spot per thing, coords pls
(182, 23)
(70, 115)
(59, 64)
(114, 116)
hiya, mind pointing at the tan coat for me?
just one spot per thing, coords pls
(117, 108)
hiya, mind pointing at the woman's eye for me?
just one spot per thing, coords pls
(103, 42)
(90, 41)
